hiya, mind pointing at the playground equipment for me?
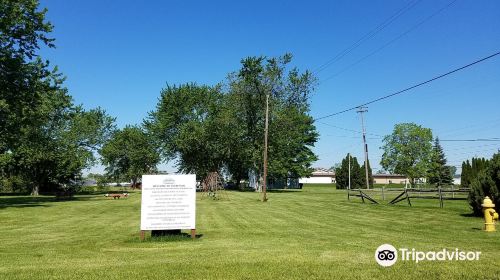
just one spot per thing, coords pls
(490, 215)
(213, 186)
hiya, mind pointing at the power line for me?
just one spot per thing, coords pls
(462, 148)
(367, 36)
(492, 123)
(411, 87)
(351, 130)
(351, 137)
(390, 42)
(472, 140)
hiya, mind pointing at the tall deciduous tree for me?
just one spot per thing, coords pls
(46, 139)
(408, 151)
(210, 128)
(439, 173)
(129, 154)
(188, 126)
(22, 73)
(291, 130)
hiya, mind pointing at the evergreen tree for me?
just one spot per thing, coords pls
(485, 183)
(439, 173)
(471, 170)
(465, 176)
(342, 174)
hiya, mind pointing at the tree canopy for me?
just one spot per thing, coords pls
(408, 151)
(214, 128)
(188, 125)
(46, 140)
(291, 130)
(129, 154)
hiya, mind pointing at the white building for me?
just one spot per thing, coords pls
(319, 176)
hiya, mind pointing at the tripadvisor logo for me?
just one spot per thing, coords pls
(387, 255)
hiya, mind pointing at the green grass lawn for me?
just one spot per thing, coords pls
(314, 233)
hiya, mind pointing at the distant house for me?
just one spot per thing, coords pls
(273, 182)
(389, 179)
(319, 176)
(327, 176)
(89, 183)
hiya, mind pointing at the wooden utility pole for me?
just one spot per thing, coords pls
(264, 183)
(362, 110)
(349, 171)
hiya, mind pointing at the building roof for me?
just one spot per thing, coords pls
(388, 176)
(323, 172)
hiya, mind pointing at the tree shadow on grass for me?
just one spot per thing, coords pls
(285, 191)
(175, 237)
(34, 201)
(182, 237)
(469, 215)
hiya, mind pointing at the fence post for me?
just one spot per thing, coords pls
(383, 195)
(440, 197)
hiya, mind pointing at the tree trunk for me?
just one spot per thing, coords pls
(412, 182)
(134, 183)
(239, 186)
(35, 190)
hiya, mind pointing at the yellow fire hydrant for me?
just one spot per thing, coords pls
(490, 215)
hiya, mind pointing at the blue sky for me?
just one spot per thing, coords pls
(119, 54)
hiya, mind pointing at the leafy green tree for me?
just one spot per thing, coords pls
(101, 179)
(485, 183)
(408, 151)
(291, 130)
(439, 173)
(188, 126)
(129, 154)
(342, 174)
(53, 151)
(46, 140)
(210, 128)
(22, 30)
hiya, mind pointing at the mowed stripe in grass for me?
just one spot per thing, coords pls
(314, 233)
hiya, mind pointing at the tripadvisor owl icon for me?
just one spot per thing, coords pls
(386, 255)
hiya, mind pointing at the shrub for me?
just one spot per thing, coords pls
(487, 183)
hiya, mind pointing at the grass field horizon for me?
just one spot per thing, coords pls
(313, 233)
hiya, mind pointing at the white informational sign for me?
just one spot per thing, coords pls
(168, 202)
